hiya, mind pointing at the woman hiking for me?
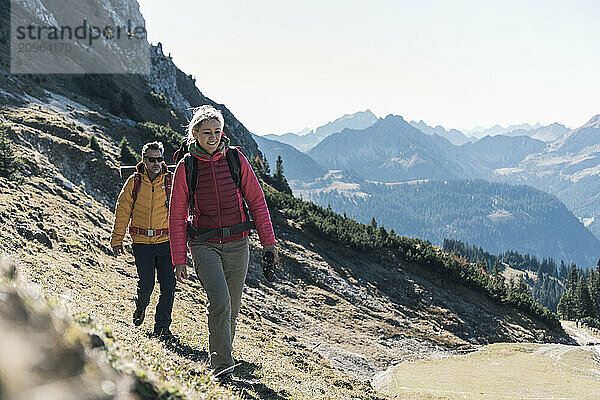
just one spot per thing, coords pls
(214, 225)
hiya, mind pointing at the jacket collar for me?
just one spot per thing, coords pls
(141, 168)
(199, 152)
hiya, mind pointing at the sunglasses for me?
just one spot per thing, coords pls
(154, 159)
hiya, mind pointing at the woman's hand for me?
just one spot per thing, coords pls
(221, 148)
(272, 249)
(181, 273)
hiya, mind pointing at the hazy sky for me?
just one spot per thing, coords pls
(280, 66)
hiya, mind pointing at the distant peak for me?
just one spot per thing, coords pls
(304, 131)
(594, 121)
(368, 112)
(393, 117)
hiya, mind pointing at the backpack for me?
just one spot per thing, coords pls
(191, 172)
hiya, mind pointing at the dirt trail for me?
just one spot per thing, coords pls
(583, 336)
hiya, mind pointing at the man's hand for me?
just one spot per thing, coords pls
(118, 250)
(181, 273)
(272, 249)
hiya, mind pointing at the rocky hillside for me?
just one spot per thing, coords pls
(331, 320)
(165, 96)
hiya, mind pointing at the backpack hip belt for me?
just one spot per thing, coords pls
(201, 234)
(148, 232)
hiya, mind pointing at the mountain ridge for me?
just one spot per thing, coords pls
(391, 149)
(308, 140)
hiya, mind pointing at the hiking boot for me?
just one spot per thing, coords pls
(225, 378)
(224, 375)
(163, 334)
(138, 315)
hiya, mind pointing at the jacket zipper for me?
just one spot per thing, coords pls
(212, 169)
(151, 211)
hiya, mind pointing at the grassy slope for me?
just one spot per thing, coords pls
(79, 269)
(500, 371)
(331, 310)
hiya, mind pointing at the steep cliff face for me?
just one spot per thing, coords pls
(165, 96)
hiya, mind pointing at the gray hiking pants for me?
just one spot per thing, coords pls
(221, 268)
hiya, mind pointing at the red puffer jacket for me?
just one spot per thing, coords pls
(218, 203)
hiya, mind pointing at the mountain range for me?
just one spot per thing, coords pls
(305, 141)
(568, 168)
(455, 136)
(298, 167)
(480, 132)
(390, 150)
(394, 151)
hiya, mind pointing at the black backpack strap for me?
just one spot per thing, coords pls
(235, 167)
(191, 173)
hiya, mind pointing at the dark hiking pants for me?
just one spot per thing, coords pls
(150, 258)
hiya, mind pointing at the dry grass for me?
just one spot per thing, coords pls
(500, 371)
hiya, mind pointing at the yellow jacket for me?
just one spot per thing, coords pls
(149, 212)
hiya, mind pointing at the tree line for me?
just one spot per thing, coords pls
(581, 299)
(548, 285)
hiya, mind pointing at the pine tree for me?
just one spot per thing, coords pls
(583, 306)
(373, 224)
(563, 270)
(572, 278)
(266, 165)
(258, 167)
(9, 164)
(279, 181)
(565, 306)
(94, 145)
(496, 269)
(521, 287)
(594, 283)
(126, 154)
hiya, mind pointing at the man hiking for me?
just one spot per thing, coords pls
(143, 205)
